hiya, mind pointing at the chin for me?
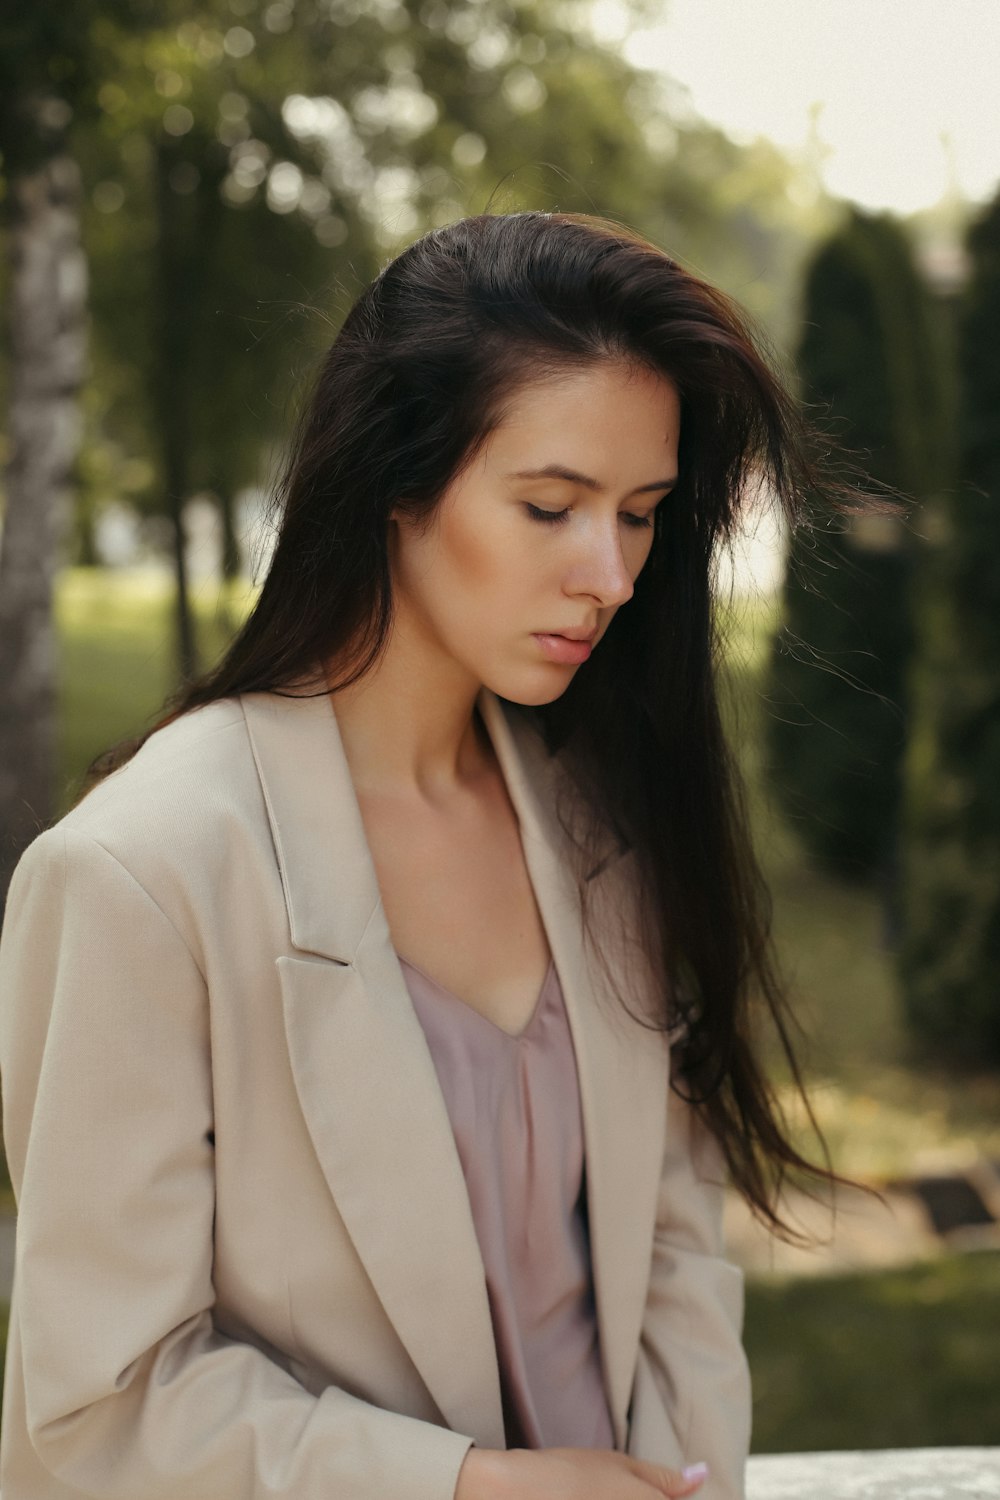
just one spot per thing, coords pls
(534, 689)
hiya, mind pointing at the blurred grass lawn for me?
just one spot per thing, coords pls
(905, 1358)
(117, 657)
(879, 1360)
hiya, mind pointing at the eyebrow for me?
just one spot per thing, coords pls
(558, 471)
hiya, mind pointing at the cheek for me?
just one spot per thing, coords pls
(471, 556)
(480, 557)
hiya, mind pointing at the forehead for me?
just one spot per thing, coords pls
(607, 410)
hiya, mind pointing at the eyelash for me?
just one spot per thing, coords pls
(554, 517)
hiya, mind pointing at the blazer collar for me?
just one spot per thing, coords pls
(351, 1020)
(315, 817)
(315, 821)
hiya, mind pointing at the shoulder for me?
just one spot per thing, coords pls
(175, 817)
(185, 776)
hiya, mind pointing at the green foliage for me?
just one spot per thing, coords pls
(951, 951)
(45, 75)
(193, 272)
(892, 1359)
(247, 171)
(872, 361)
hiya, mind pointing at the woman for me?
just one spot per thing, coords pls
(377, 1037)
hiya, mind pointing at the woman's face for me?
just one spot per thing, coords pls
(544, 535)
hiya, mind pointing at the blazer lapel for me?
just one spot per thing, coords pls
(623, 1067)
(367, 1081)
(365, 1076)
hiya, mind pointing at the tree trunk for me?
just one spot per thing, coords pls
(47, 340)
(171, 397)
(230, 541)
(230, 559)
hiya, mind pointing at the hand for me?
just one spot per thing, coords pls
(567, 1474)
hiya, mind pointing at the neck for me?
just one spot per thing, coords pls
(409, 726)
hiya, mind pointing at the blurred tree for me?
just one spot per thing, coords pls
(237, 167)
(185, 258)
(45, 75)
(950, 956)
(871, 358)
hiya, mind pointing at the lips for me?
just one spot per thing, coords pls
(564, 649)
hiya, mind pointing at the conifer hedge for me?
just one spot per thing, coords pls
(871, 365)
(950, 954)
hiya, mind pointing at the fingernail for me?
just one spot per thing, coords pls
(695, 1471)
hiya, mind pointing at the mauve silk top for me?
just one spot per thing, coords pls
(514, 1106)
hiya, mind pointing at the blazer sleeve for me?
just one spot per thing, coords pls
(692, 1396)
(127, 1387)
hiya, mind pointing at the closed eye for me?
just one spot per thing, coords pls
(554, 517)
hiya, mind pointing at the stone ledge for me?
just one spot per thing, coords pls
(884, 1474)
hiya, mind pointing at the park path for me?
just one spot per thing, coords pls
(863, 1235)
(954, 1207)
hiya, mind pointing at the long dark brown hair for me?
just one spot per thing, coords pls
(411, 387)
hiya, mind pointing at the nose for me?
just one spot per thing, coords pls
(599, 568)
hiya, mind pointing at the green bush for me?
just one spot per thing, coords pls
(871, 364)
(950, 956)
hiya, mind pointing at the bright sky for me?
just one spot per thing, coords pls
(893, 78)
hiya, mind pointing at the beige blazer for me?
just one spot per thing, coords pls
(246, 1263)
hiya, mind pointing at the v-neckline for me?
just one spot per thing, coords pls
(512, 1036)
